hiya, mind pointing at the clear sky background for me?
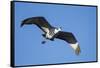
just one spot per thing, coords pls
(80, 20)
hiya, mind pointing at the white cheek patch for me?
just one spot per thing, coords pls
(74, 46)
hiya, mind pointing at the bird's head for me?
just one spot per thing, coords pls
(59, 28)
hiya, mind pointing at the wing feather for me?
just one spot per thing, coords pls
(67, 36)
(70, 38)
(41, 22)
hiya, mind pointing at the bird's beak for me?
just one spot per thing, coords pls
(60, 27)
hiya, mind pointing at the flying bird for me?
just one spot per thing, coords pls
(50, 32)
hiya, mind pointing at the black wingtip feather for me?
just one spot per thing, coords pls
(26, 21)
(78, 50)
(21, 24)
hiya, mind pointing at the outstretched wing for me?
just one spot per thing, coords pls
(69, 37)
(41, 22)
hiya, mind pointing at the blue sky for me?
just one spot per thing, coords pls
(80, 20)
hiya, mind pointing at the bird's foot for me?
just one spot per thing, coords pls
(43, 42)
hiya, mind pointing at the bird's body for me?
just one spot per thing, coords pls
(51, 32)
